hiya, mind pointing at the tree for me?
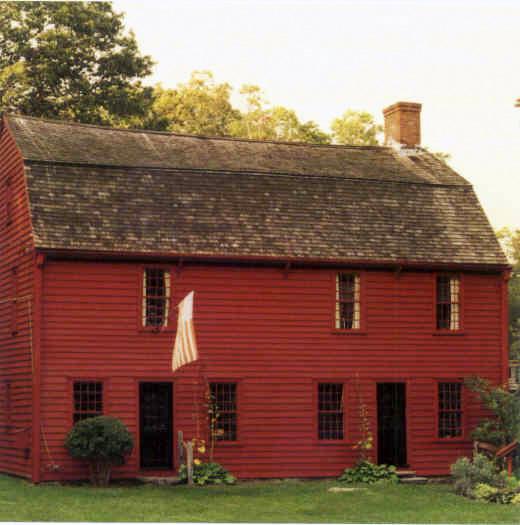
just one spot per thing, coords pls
(504, 426)
(201, 107)
(511, 242)
(356, 128)
(102, 442)
(73, 61)
(262, 122)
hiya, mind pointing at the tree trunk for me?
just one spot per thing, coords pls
(100, 473)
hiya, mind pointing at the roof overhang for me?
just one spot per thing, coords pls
(267, 260)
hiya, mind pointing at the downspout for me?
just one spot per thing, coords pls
(36, 368)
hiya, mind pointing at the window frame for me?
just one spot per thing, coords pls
(170, 318)
(463, 410)
(361, 330)
(238, 393)
(105, 399)
(448, 331)
(316, 412)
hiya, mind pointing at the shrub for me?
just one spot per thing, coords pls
(504, 496)
(483, 491)
(207, 474)
(469, 473)
(367, 472)
(101, 441)
(504, 427)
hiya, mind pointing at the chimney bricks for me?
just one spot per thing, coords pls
(403, 124)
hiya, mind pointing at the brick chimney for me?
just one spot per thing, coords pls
(403, 124)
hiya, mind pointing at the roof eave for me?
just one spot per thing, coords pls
(267, 260)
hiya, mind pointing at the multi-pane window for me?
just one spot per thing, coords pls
(88, 399)
(348, 301)
(330, 411)
(156, 297)
(450, 410)
(448, 302)
(224, 411)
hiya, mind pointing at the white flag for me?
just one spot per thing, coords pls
(185, 348)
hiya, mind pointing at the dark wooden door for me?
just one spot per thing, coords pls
(391, 424)
(156, 425)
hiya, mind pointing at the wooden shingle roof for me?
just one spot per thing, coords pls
(100, 189)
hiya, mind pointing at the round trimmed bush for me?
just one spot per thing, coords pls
(102, 442)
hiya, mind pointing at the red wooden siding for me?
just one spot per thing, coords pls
(16, 280)
(273, 333)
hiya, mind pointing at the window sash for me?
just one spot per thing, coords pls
(448, 302)
(224, 401)
(154, 302)
(330, 411)
(87, 399)
(348, 301)
(450, 410)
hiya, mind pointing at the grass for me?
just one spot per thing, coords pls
(285, 501)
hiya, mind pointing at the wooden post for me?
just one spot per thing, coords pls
(189, 461)
(180, 447)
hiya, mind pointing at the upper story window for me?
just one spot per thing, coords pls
(348, 301)
(156, 297)
(224, 411)
(330, 411)
(88, 399)
(450, 410)
(448, 302)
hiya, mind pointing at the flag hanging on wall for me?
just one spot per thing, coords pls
(185, 348)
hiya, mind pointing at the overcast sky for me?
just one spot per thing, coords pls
(461, 60)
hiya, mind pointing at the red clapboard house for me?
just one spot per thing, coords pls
(325, 278)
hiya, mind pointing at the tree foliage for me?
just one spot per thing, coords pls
(200, 107)
(357, 128)
(510, 241)
(72, 61)
(102, 442)
(264, 122)
(504, 426)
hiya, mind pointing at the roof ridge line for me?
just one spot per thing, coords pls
(241, 172)
(194, 136)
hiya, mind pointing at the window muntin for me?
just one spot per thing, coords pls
(156, 297)
(450, 410)
(448, 302)
(348, 301)
(330, 411)
(224, 411)
(88, 399)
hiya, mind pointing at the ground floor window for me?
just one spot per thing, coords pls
(224, 411)
(88, 399)
(330, 411)
(449, 410)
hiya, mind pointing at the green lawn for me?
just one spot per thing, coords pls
(287, 501)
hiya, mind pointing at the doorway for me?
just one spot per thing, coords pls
(156, 425)
(391, 424)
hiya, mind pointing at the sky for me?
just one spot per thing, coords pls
(461, 60)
